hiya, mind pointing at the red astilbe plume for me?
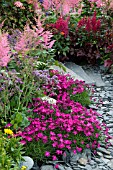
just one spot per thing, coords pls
(62, 25)
(90, 23)
(5, 51)
(82, 22)
(95, 23)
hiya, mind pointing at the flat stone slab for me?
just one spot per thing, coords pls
(28, 162)
(80, 72)
(97, 77)
(88, 75)
(73, 74)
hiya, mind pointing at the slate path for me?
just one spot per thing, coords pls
(103, 96)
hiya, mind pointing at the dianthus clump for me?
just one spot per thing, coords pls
(64, 126)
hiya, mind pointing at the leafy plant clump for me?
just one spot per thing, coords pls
(18, 60)
(11, 150)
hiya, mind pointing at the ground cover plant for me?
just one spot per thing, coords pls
(10, 149)
(56, 85)
(57, 128)
(41, 129)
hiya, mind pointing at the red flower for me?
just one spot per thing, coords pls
(108, 63)
(90, 24)
(61, 25)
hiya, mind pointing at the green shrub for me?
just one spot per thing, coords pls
(10, 151)
(15, 17)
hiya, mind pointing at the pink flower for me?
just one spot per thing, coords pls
(53, 138)
(97, 135)
(5, 51)
(52, 133)
(74, 141)
(28, 138)
(54, 158)
(56, 166)
(68, 147)
(18, 4)
(79, 128)
(8, 125)
(98, 145)
(108, 63)
(60, 146)
(74, 151)
(59, 135)
(40, 135)
(87, 146)
(79, 149)
(74, 132)
(82, 142)
(58, 152)
(55, 144)
(47, 153)
(23, 142)
(67, 142)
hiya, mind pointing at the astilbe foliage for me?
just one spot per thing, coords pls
(5, 51)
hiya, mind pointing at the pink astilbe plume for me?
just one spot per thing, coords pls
(35, 4)
(2, 24)
(31, 39)
(5, 51)
(64, 6)
(99, 3)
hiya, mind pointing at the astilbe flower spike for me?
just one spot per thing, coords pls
(64, 6)
(90, 23)
(5, 51)
(18, 4)
(33, 38)
(61, 25)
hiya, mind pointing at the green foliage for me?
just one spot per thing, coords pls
(17, 93)
(10, 152)
(82, 98)
(13, 16)
(61, 46)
